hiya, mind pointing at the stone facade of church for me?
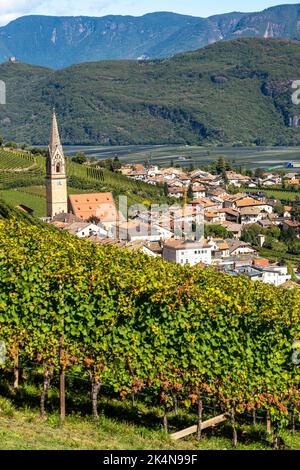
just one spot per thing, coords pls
(56, 180)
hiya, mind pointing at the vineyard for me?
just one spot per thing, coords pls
(181, 337)
(13, 161)
(22, 173)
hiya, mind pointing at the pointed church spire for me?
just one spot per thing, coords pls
(54, 138)
(56, 181)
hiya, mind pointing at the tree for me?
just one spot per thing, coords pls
(221, 166)
(279, 209)
(259, 173)
(288, 235)
(216, 231)
(225, 178)
(11, 144)
(251, 233)
(116, 163)
(93, 220)
(79, 158)
(190, 193)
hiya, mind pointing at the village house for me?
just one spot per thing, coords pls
(250, 215)
(187, 252)
(177, 192)
(85, 230)
(247, 202)
(289, 224)
(237, 180)
(135, 230)
(275, 275)
(198, 191)
(219, 247)
(231, 215)
(237, 248)
(287, 212)
(207, 203)
(214, 216)
(234, 228)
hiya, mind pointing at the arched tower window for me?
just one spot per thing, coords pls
(58, 167)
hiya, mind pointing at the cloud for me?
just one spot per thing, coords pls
(12, 9)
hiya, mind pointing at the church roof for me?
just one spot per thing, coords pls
(54, 138)
(101, 205)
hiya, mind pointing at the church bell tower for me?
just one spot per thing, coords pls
(56, 181)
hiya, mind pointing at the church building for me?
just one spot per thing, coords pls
(81, 207)
(56, 180)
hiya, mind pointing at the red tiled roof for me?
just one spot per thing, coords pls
(101, 205)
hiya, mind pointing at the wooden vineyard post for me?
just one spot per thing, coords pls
(62, 388)
(268, 422)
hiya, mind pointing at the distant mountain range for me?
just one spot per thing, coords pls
(58, 42)
(236, 92)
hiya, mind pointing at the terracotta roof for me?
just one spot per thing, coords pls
(292, 224)
(101, 205)
(248, 201)
(250, 211)
(236, 176)
(205, 202)
(186, 244)
(176, 190)
(228, 211)
(222, 244)
(211, 214)
(261, 262)
(198, 188)
(234, 197)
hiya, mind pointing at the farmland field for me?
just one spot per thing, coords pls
(248, 157)
(288, 196)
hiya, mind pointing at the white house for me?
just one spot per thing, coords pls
(275, 275)
(198, 191)
(187, 252)
(164, 232)
(135, 230)
(251, 215)
(85, 229)
(237, 247)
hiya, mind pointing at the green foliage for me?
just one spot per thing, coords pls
(80, 158)
(250, 234)
(138, 323)
(177, 100)
(217, 231)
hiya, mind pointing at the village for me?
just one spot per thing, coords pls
(203, 225)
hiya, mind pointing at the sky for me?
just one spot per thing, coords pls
(11, 9)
